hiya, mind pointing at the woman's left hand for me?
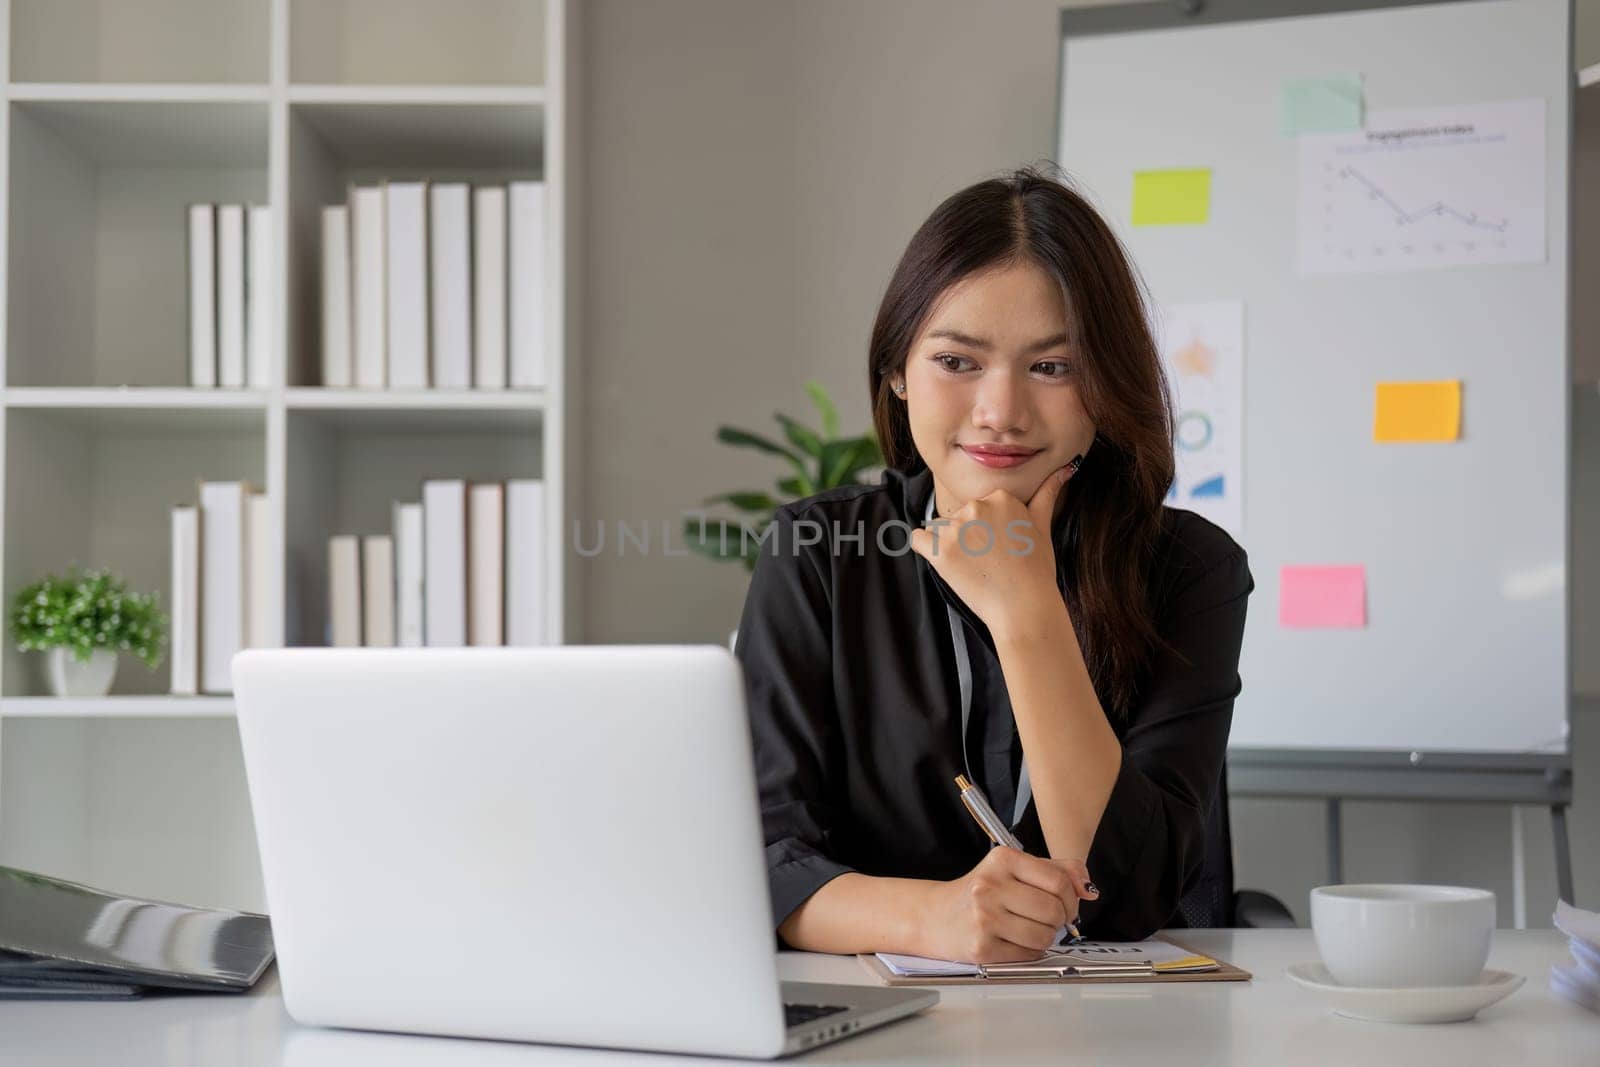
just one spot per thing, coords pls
(996, 554)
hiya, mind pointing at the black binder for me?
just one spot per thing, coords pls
(60, 940)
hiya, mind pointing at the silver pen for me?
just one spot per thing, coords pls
(998, 832)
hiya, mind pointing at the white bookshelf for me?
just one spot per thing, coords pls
(115, 117)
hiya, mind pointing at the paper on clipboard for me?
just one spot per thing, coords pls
(1087, 958)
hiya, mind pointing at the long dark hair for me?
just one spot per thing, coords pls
(1113, 509)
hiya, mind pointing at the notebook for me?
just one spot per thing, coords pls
(1089, 960)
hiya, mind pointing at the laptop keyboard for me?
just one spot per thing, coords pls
(795, 1014)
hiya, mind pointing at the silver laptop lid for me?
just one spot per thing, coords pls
(553, 844)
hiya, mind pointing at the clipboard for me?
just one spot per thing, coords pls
(1225, 972)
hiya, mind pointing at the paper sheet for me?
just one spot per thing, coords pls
(1425, 188)
(1320, 597)
(1417, 411)
(1321, 105)
(1202, 345)
(1171, 197)
(1153, 951)
(1578, 923)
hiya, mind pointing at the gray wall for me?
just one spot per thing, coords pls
(754, 169)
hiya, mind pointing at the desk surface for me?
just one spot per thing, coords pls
(1268, 1021)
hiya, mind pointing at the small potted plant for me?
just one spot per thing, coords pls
(81, 622)
(817, 461)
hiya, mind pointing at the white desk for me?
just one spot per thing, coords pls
(1268, 1021)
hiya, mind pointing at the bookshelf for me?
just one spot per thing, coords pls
(115, 117)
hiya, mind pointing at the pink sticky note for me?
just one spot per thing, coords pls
(1323, 597)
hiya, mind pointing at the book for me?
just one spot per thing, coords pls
(368, 307)
(224, 605)
(184, 623)
(230, 296)
(260, 632)
(444, 571)
(408, 566)
(202, 296)
(258, 286)
(486, 530)
(525, 552)
(489, 288)
(338, 372)
(405, 213)
(377, 589)
(344, 591)
(450, 284)
(528, 230)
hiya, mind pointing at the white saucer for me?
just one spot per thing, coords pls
(1431, 1004)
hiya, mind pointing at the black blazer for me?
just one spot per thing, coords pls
(855, 709)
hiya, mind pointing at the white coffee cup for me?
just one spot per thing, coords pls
(1402, 936)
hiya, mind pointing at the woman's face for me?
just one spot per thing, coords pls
(991, 386)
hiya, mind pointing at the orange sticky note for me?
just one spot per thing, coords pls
(1323, 597)
(1417, 411)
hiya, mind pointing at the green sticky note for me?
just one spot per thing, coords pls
(1171, 197)
(1317, 105)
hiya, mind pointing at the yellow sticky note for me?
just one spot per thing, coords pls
(1417, 411)
(1171, 197)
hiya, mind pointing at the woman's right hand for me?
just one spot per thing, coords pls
(1006, 909)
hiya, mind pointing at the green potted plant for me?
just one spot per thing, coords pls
(816, 460)
(81, 621)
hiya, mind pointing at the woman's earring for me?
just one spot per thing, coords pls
(900, 390)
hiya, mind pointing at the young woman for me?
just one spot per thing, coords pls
(1013, 603)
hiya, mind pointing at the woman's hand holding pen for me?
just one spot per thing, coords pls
(995, 554)
(1006, 909)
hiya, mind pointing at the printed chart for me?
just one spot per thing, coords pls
(1422, 189)
(1202, 345)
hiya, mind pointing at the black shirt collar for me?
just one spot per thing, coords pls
(913, 488)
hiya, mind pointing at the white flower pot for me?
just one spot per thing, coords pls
(69, 677)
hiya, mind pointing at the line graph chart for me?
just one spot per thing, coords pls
(1420, 189)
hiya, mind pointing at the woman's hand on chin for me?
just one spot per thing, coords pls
(995, 553)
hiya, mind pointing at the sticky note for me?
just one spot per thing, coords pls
(1323, 597)
(1417, 411)
(1318, 105)
(1171, 197)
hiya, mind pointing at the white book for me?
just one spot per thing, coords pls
(377, 588)
(224, 603)
(184, 634)
(450, 285)
(258, 565)
(525, 552)
(489, 288)
(258, 297)
(408, 564)
(406, 247)
(230, 296)
(368, 306)
(486, 534)
(202, 296)
(444, 570)
(527, 285)
(338, 371)
(344, 591)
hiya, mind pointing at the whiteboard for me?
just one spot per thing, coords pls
(1464, 544)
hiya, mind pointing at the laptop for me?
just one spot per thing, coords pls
(554, 844)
